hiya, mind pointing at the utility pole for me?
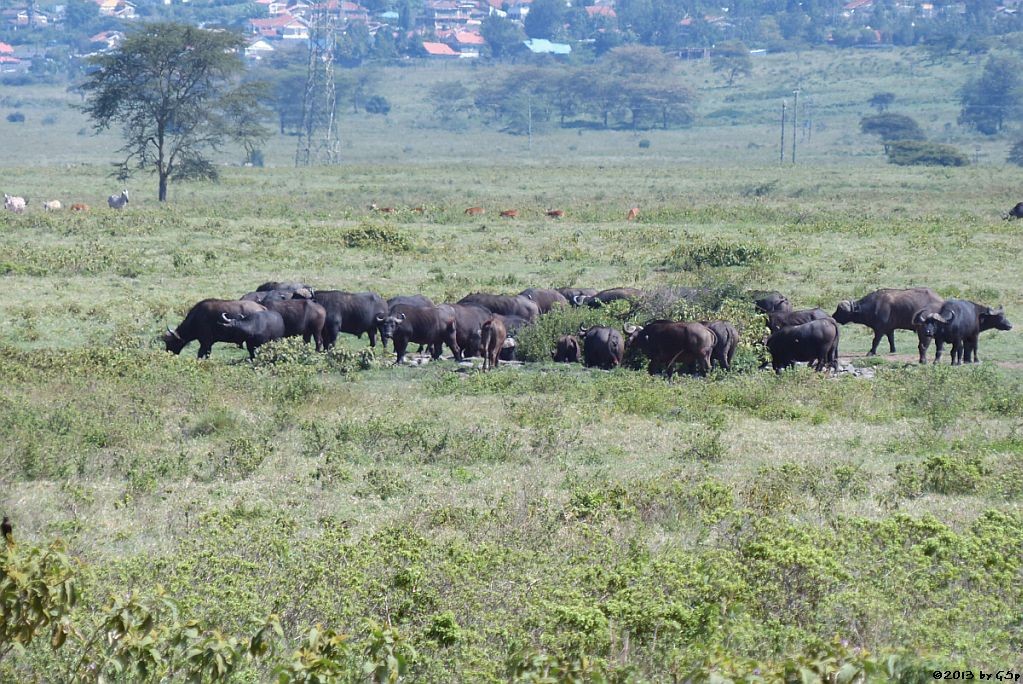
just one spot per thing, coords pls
(318, 141)
(795, 104)
(781, 148)
(529, 121)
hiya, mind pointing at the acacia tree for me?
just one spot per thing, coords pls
(732, 57)
(175, 90)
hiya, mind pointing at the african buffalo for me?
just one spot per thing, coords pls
(776, 320)
(567, 349)
(494, 335)
(506, 305)
(602, 347)
(545, 299)
(300, 290)
(354, 313)
(469, 318)
(571, 293)
(427, 325)
(410, 300)
(629, 294)
(887, 310)
(263, 296)
(512, 324)
(1015, 213)
(771, 302)
(815, 343)
(960, 322)
(301, 317)
(202, 323)
(725, 344)
(666, 343)
(258, 327)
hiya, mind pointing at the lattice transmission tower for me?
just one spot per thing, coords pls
(318, 141)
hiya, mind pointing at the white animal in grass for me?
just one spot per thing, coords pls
(52, 205)
(15, 204)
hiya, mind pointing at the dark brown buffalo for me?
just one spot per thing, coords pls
(959, 323)
(885, 311)
(1015, 213)
(203, 323)
(506, 305)
(567, 349)
(410, 300)
(299, 290)
(666, 343)
(258, 327)
(354, 313)
(426, 325)
(545, 299)
(725, 344)
(776, 320)
(494, 335)
(602, 347)
(571, 294)
(469, 320)
(629, 294)
(815, 343)
(264, 296)
(771, 302)
(301, 317)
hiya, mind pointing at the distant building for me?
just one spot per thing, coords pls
(542, 46)
(439, 50)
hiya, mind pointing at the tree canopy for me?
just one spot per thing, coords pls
(732, 57)
(994, 97)
(175, 89)
(891, 128)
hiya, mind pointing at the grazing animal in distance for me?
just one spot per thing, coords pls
(960, 322)
(567, 350)
(203, 322)
(15, 204)
(510, 213)
(52, 205)
(633, 214)
(118, 201)
(556, 213)
(1015, 213)
(603, 347)
(382, 210)
(493, 336)
(419, 210)
(78, 206)
(257, 328)
(887, 310)
(815, 343)
(475, 211)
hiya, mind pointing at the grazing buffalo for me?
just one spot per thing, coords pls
(299, 290)
(354, 313)
(203, 323)
(885, 311)
(666, 343)
(494, 336)
(567, 350)
(469, 320)
(426, 325)
(776, 320)
(602, 347)
(726, 343)
(1015, 213)
(506, 305)
(629, 294)
(263, 296)
(301, 317)
(577, 296)
(410, 300)
(771, 302)
(960, 322)
(545, 299)
(815, 343)
(257, 328)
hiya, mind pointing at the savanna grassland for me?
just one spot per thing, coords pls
(535, 521)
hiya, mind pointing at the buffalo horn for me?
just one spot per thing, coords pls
(380, 318)
(845, 305)
(578, 299)
(997, 312)
(173, 333)
(582, 330)
(629, 329)
(401, 317)
(223, 314)
(919, 317)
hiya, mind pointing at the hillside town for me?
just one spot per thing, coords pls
(473, 29)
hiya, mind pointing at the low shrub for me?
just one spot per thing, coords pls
(916, 153)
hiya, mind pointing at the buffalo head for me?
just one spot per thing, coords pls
(845, 311)
(388, 325)
(173, 341)
(931, 323)
(994, 318)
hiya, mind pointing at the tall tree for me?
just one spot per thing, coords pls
(174, 89)
(732, 57)
(993, 97)
(545, 19)
(503, 36)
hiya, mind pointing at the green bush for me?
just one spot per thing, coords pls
(382, 238)
(914, 153)
(696, 253)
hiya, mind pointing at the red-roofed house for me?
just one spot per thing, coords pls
(439, 50)
(601, 11)
(6, 49)
(283, 27)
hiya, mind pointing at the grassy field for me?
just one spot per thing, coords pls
(540, 517)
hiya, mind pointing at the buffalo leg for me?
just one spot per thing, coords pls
(399, 349)
(451, 339)
(204, 350)
(924, 343)
(252, 350)
(891, 340)
(971, 349)
(939, 346)
(372, 337)
(877, 340)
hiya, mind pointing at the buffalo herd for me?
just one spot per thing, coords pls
(486, 325)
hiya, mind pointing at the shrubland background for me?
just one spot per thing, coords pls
(607, 522)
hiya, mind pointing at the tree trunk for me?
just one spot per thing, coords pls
(163, 186)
